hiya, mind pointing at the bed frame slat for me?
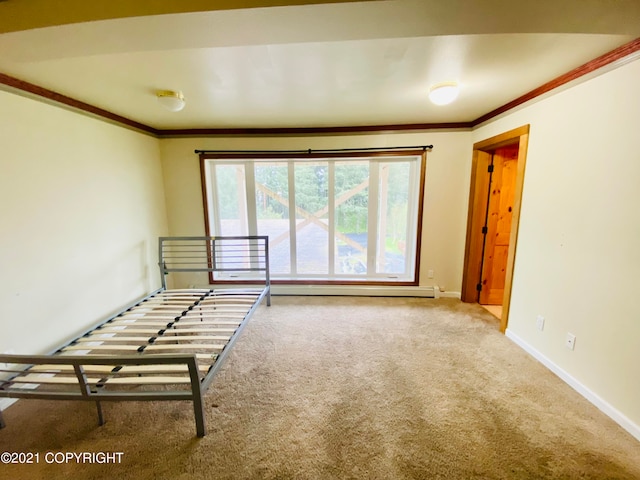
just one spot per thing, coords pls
(190, 333)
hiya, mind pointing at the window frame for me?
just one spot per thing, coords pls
(240, 156)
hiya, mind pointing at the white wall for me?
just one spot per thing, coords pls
(81, 207)
(578, 253)
(82, 204)
(446, 192)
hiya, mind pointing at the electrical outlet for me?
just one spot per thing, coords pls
(540, 322)
(571, 341)
(430, 274)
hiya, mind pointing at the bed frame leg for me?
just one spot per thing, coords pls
(2, 424)
(198, 410)
(100, 416)
(196, 395)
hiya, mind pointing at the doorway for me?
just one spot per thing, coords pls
(497, 177)
(497, 227)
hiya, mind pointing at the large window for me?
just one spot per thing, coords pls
(336, 219)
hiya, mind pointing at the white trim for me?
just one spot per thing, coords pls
(331, 203)
(443, 294)
(373, 210)
(293, 231)
(249, 193)
(590, 395)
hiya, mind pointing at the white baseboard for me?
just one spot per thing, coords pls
(590, 395)
(457, 295)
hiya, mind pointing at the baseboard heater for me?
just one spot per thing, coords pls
(353, 290)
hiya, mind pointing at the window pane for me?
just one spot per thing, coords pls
(312, 208)
(317, 213)
(231, 200)
(351, 217)
(272, 212)
(392, 219)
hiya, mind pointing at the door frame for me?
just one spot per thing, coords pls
(478, 200)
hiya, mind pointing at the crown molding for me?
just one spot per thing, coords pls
(624, 51)
(35, 91)
(627, 51)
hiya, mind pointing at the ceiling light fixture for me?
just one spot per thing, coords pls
(172, 101)
(444, 93)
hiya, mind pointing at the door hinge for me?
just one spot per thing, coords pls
(485, 230)
(479, 287)
(490, 169)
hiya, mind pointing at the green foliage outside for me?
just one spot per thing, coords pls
(276, 179)
(312, 180)
(397, 205)
(227, 191)
(353, 214)
(312, 187)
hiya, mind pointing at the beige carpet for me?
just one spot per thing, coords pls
(347, 388)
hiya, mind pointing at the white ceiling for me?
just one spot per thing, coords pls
(339, 64)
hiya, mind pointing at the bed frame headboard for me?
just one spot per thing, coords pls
(229, 254)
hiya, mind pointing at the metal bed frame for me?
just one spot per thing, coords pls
(116, 360)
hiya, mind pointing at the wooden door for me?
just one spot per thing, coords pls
(473, 253)
(498, 225)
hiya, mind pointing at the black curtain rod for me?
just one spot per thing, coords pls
(310, 151)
